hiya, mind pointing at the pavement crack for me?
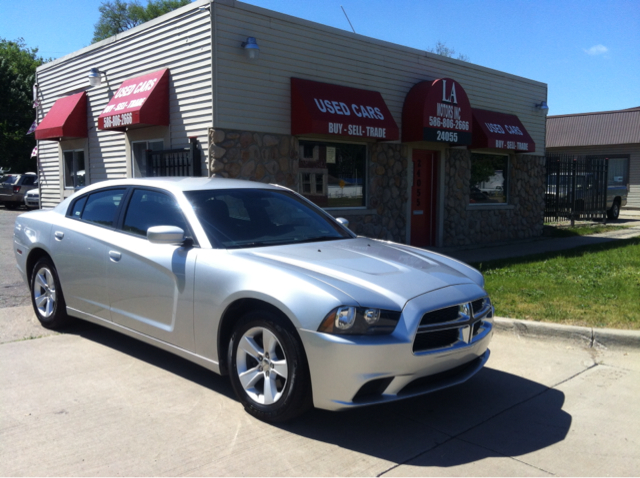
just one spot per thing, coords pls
(575, 375)
(417, 455)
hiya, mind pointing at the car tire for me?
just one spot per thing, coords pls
(272, 382)
(9, 205)
(46, 296)
(614, 212)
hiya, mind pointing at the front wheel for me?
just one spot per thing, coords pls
(46, 295)
(268, 368)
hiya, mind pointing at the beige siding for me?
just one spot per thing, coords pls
(633, 150)
(180, 41)
(256, 95)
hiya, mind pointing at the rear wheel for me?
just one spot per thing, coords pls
(614, 212)
(46, 295)
(11, 205)
(268, 368)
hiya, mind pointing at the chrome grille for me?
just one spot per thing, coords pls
(451, 326)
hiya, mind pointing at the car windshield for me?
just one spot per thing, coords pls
(9, 179)
(240, 218)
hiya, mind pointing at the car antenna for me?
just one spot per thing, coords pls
(345, 14)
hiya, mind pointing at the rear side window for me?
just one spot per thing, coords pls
(28, 180)
(101, 208)
(78, 206)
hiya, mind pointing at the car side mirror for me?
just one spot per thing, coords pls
(343, 221)
(165, 235)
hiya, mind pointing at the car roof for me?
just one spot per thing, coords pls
(174, 184)
(181, 184)
(184, 183)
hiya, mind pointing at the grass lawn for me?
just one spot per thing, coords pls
(595, 286)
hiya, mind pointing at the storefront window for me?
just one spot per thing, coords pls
(489, 179)
(139, 152)
(333, 174)
(74, 173)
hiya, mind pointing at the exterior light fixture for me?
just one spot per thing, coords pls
(95, 76)
(251, 49)
(542, 106)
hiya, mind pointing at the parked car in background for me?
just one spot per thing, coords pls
(559, 189)
(14, 187)
(256, 282)
(32, 199)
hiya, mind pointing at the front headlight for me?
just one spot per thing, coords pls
(349, 320)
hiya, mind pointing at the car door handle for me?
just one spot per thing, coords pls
(115, 256)
(59, 235)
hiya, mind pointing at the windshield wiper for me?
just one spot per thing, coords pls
(319, 239)
(284, 242)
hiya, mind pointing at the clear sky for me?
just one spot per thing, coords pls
(587, 51)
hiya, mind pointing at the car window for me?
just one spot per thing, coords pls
(10, 179)
(101, 207)
(152, 208)
(28, 180)
(76, 210)
(237, 218)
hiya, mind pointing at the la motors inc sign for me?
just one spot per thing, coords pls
(437, 111)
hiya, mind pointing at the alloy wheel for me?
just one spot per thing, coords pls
(44, 292)
(261, 365)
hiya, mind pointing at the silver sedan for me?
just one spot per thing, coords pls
(255, 282)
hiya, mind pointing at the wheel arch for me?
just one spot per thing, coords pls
(34, 256)
(234, 312)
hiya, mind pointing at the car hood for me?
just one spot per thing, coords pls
(369, 270)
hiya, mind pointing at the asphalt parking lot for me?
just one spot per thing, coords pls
(92, 402)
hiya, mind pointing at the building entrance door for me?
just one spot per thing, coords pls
(424, 193)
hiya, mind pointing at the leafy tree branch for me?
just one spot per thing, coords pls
(117, 16)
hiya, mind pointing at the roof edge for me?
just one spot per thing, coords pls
(351, 35)
(627, 110)
(132, 31)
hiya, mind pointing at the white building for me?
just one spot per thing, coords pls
(318, 109)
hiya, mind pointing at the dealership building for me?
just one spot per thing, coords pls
(407, 145)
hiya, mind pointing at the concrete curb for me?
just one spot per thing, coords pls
(587, 336)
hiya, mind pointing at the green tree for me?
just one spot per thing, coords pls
(117, 16)
(441, 48)
(18, 65)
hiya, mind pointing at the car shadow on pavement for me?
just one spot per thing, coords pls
(494, 414)
(151, 355)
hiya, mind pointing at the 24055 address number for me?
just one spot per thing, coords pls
(448, 136)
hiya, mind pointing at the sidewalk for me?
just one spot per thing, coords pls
(503, 250)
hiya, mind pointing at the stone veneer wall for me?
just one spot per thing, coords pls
(522, 219)
(271, 158)
(267, 158)
(388, 195)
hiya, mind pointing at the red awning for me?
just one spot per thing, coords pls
(437, 111)
(500, 130)
(66, 119)
(140, 101)
(323, 108)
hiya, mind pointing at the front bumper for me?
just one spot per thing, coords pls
(31, 202)
(353, 371)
